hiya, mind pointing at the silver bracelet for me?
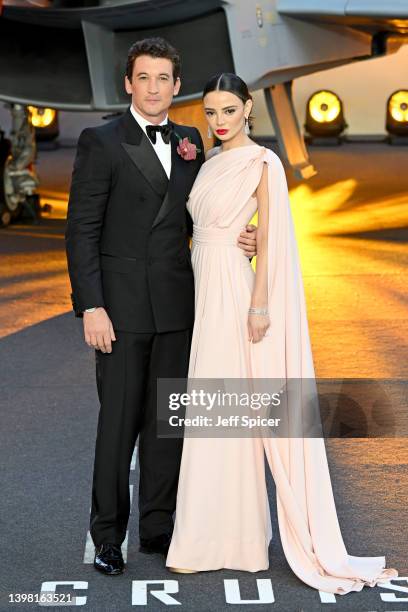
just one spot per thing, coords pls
(258, 311)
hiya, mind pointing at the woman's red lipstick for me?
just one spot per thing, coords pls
(221, 132)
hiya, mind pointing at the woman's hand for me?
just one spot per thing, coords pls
(257, 326)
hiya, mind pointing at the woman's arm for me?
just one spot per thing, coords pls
(259, 323)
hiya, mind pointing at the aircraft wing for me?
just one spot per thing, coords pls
(368, 15)
(78, 48)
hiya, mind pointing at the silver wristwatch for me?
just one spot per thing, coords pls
(90, 309)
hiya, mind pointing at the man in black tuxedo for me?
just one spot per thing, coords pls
(132, 282)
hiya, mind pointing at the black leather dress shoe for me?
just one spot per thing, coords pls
(108, 559)
(160, 544)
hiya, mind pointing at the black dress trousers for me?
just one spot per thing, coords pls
(126, 383)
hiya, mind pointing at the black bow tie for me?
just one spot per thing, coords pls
(165, 131)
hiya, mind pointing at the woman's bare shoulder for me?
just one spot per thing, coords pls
(211, 152)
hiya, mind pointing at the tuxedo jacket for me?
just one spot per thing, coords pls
(127, 233)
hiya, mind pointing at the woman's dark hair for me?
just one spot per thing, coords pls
(155, 47)
(228, 81)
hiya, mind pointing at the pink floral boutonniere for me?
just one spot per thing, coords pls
(187, 149)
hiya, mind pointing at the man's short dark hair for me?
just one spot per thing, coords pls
(155, 47)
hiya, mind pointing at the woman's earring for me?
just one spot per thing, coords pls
(209, 132)
(247, 130)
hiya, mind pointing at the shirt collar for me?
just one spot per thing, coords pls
(142, 121)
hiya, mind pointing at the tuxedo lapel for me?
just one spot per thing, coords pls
(140, 150)
(176, 184)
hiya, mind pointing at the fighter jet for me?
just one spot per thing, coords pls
(69, 54)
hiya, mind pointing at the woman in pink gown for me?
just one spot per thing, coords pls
(222, 515)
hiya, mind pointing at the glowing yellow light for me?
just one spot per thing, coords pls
(324, 106)
(398, 105)
(41, 117)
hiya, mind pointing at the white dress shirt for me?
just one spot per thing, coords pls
(162, 149)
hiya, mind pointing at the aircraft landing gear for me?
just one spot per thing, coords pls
(18, 179)
(5, 214)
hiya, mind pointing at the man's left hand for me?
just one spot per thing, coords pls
(247, 240)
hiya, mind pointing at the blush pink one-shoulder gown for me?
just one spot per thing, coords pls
(222, 515)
